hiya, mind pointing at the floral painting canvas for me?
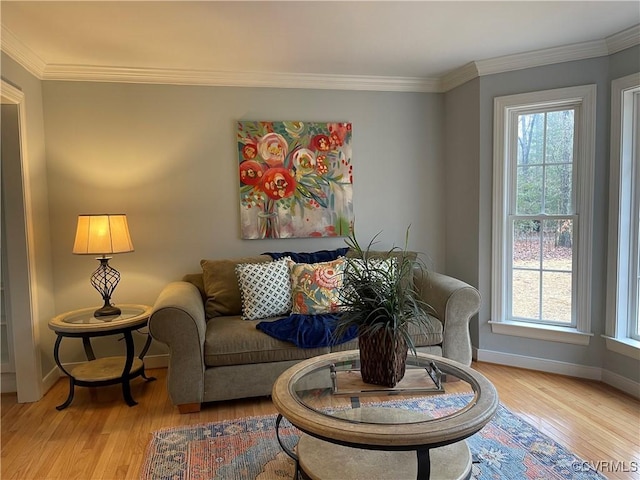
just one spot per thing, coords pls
(295, 179)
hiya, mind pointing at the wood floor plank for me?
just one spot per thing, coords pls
(100, 438)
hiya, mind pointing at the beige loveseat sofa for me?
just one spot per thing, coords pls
(225, 357)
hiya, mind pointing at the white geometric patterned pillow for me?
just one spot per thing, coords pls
(265, 289)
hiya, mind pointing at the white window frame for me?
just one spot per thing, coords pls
(624, 203)
(583, 99)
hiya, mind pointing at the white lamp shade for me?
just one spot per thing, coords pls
(102, 235)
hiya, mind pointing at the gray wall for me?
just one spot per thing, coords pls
(166, 156)
(477, 211)
(462, 140)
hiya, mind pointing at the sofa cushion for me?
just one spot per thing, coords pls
(315, 287)
(221, 285)
(265, 289)
(232, 341)
(431, 334)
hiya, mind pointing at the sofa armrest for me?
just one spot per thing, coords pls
(178, 320)
(454, 302)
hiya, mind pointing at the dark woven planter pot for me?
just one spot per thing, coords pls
(382, 361)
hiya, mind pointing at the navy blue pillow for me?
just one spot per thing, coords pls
(311, 257)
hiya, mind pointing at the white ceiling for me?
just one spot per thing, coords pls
(409, 40)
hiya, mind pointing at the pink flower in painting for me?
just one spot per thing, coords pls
(304, 160)
(328, 276)
(338, 132)
(273, 149)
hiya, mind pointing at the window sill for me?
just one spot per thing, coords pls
(624, 346)
(542, 332)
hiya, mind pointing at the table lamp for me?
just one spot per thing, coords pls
(103, 234)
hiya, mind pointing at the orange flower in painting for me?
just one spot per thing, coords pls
(251, 172)
(273, 149)
(249, 151)
(321, 142)
(278, 183)
(321, 165)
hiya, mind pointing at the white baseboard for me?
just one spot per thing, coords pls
(562, 368)
(8, 382)
(156, 361)
(50, 379)
(621, 383)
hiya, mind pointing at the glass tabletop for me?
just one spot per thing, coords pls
(336, 389)
(84, 320)
(87, 317)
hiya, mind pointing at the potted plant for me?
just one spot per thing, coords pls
(379, 299)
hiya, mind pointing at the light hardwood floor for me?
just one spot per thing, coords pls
(99, 437)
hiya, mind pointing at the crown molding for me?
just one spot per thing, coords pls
(459, 76)
(622, 40)
(12, 46)
(538, 58)
(26, 57)
(239, 79)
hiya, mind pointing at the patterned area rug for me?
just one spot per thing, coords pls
(247, 448)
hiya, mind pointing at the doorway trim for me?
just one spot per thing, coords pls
(22, 293)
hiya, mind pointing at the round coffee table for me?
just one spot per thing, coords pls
(108, 370)
(350, 432)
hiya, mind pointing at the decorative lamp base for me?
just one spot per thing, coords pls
(104, 280)
(107, 311)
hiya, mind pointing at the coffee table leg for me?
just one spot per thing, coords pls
(285, 449)
(424, 464)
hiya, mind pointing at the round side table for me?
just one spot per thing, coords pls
(109, 370)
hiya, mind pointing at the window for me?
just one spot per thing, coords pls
(543, 192)
(623, 295)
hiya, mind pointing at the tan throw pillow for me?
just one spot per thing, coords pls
(221, 285)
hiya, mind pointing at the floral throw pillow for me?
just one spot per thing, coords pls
(315, 287)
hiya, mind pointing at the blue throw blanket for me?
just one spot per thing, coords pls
(307, 331)
(310, 257)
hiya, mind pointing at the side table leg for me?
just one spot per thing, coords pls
(126, 387)
(72, 383)
(88, 349)
(424, 464)
(69, 399)
(144, 351)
